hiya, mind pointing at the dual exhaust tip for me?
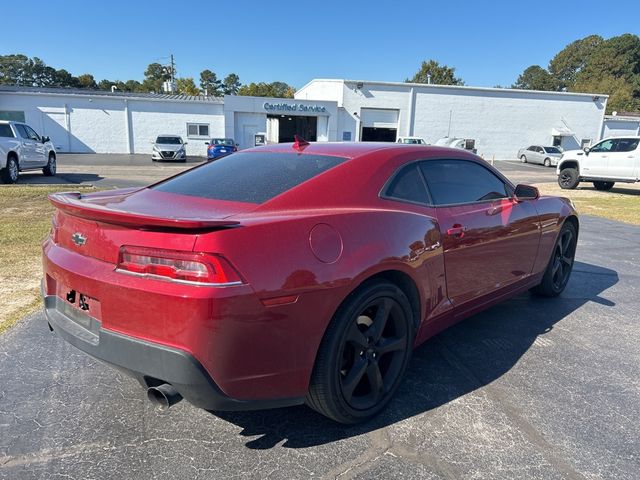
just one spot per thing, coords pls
(163, 396)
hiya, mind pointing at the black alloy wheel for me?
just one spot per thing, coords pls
(373, 353)
(50, 168)
(568, 178)
(604, 186)
(559, 269)
(363, 355)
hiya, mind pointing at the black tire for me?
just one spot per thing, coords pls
(50, 169)
(523, 159)
(363, 354)
(547, 162)
(560, 264)
(604, 186)
(11, 171)
(568, 178)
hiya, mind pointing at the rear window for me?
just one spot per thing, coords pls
(249, 177)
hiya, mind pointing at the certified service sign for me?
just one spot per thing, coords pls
(293, 107)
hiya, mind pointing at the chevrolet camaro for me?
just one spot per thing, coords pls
(296, 273)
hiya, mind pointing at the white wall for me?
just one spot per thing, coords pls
(245, 116)
(500, 120)
(149, 119)
(614, 127)
(103, 124)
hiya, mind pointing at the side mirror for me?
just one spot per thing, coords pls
(45, 139)
(206, 143)
(586, 150)
(237, 144)
(185, 143)
(526, 192)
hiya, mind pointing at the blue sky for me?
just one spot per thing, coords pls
(295, 41)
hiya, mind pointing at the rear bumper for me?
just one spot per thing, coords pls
(150, 363)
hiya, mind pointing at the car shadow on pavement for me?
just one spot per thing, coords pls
(60, 179)
(459, 360)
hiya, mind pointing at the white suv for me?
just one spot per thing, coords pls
(21, 148)
(609, 161)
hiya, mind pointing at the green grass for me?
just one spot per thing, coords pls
(622, 203)
(25, 220)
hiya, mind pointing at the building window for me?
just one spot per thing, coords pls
(15, 116)
(557, 140)
(198, 130)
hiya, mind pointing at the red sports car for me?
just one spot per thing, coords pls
(293, 274)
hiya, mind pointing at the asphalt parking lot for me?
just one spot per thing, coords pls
(532, 388)
(114, 171)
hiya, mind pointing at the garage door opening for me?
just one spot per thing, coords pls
(283, 128)
(374, 134)
(379, 124)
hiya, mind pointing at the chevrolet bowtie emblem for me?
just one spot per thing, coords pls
(78, 239)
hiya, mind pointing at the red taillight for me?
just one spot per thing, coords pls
(190, 267)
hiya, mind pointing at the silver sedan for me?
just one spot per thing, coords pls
(547, 156)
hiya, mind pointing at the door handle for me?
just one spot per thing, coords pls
(456, 230)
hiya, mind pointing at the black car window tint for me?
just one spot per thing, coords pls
(22, 131)
(606, 146)
(5, 130)
(460, 181)
(249, 177)
(408, 185)
(627, 144)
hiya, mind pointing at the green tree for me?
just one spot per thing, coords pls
(187, 86)
(14, 69)
(535, 78)
(572, 59)
(86, 80)
(62, 78)
(133, 86)
(432, 71)
(262, 89)
(231, 84)
(209, 83)
(154, 76)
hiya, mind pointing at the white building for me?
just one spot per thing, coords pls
(499, 120)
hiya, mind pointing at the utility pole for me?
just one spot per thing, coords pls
(173, 69)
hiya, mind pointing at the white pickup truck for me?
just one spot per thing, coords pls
(21, 148)
(609, 161)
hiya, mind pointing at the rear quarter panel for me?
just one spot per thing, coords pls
(275, 258)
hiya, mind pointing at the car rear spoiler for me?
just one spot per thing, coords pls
(71, 203)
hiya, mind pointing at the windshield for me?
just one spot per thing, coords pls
(169, 140)
(249, 177)
(222, 141)
(552, 150)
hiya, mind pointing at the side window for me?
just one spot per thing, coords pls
(606, 146)
(461, 181)
(532, 148)
(5, 130)
(22, 131)
(627, 144)
(32, 133)
(408, 185)
(540, 150)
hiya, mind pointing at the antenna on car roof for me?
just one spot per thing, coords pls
(300, 143)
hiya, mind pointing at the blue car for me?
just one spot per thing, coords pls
(219, 147)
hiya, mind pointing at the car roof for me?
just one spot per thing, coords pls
(169, 135)
(352, 149)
